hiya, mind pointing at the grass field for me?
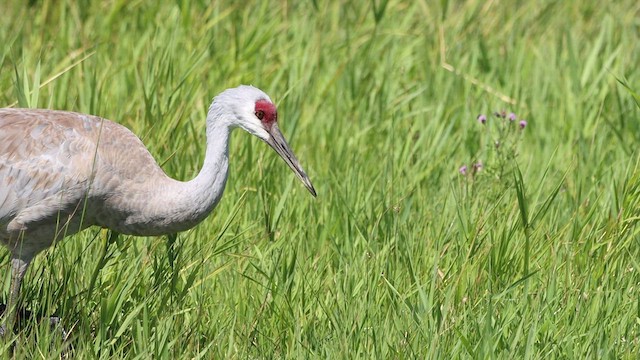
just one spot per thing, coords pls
(537, 255)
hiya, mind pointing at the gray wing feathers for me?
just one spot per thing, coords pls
(56, 165)
(45, 166)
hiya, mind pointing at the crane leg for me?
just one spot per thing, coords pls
(18, 269)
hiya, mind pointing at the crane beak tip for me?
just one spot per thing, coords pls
(279, 144)
(305, 180)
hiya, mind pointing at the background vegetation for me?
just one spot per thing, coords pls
(400, 256)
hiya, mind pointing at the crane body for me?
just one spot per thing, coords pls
(61, 172)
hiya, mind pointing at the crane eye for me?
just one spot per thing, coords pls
(260, 114)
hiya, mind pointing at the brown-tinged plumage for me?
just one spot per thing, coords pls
(61, 172)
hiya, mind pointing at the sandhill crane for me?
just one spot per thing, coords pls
(61, 172)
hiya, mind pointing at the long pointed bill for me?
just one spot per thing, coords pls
(279, 144)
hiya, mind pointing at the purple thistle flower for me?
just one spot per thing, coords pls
(482, 119)
(463, 170)
(512, 117)
(523, 124)
(477, 166)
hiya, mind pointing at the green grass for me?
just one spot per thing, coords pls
(399, 256)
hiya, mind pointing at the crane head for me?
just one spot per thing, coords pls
(252, 110)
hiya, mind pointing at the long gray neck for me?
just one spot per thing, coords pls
(162, 205)
(175, 206)
(194, 200)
